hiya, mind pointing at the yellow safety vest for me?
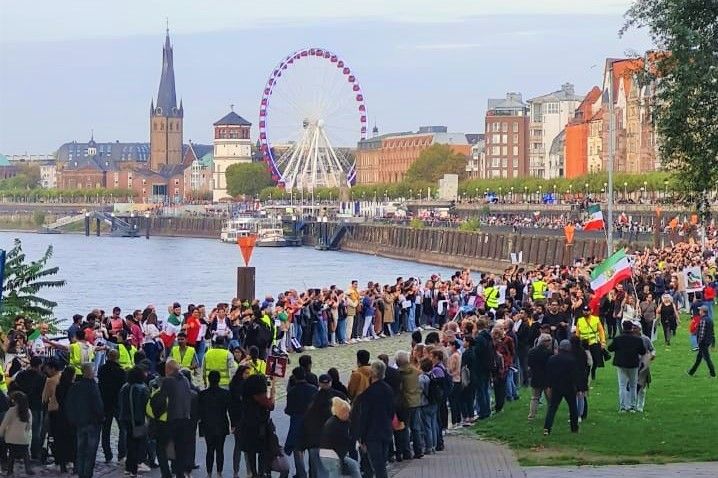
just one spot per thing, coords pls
(589, 329)
(492, 297)
(127, 357)
(259, 368)
(184, 360)
(76, 357)
(148, 407)
(3, 382)
(216, 359)
(539, 287)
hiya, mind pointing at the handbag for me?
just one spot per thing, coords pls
(138, 431)
(465, 376)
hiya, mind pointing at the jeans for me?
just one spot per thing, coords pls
(703, 354)
(331, 467)
(512, 391)
(555, 401)
(431, 424)
(200, 351)
(88, 438)
(36, 444)
(378, 453)
(483, 399)
(299, 466)
(152, 351)
(320, 334)
(341, 331)
(416, 425)
(313, 461)
(411, 319)
(368, 327)
(468, 399)
(627, 382)
(106, 431)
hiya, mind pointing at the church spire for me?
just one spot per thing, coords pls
(166, 95)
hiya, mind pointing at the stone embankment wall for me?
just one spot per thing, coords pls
(488, 252)
(203, 227)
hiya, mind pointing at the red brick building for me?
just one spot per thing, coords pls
(506, 136)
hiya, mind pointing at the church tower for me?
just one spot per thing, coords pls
(165, 117)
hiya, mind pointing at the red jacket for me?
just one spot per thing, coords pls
(192, 326)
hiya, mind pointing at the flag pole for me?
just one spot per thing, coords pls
(611, 155)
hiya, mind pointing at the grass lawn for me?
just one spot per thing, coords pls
(680, 422)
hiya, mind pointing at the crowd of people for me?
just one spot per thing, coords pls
(142, 386)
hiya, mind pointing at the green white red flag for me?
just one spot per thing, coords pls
(609, 273)
(595, 219)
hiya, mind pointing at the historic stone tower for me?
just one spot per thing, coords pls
(165, 117)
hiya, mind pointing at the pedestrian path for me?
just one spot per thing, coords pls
(464, 456)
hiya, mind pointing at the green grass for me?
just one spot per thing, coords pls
(680, 422)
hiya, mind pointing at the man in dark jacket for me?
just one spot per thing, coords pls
(175, 390)
(705, 336)
(627, 349)
(213, 404)
(393, 379)
(561, 381)
(31, 382)
(537, 361)
(299, 397)
(110, 379)
(483, 357)
(375, 416)
(84, 409)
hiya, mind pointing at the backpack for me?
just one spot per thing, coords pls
(436, 390)
(446, 382)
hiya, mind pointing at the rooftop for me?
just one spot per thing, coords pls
(232, 119)
(566, 93)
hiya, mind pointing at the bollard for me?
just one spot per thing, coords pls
(245, 283)
(87, 224)
(97, 226)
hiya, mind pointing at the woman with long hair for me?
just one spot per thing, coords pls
(236, 387)
(62, 432)
(16, 430)
(668, 312)
(132, 402)
(257, 429)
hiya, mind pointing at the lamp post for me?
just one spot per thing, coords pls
(512, 194)
(625, 190)
(386, 195)
(645, 187)
(411, 193)
(585, 185)
(540, 196)
(500, 195)
(526, 192)
(477, 193)
(605, 188)
(665, 189)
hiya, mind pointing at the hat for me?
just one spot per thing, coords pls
(585, 308)
(325, 378)
(175, 305)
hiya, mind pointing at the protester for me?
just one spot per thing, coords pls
(538, 361)
(84, 409)
(627, 350)
(132, 402)
(110, 379)
(375, 417)
(213, 405)
(705, 338)
(16, 430)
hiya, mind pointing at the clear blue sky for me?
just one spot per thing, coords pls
(72, 66)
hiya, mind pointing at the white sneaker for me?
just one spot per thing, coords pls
(143, 468)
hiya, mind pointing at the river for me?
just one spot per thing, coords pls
(102, 272)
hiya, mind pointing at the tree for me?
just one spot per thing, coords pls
(22, 283)
(434, 162)
(248, 179)
(685, 74)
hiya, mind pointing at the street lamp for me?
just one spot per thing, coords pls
(645, 187)
(585, 185)
(665, 188)
(477, 193)
(411, 193)
(526, 192)
(512, 194)
(605, 188)
(386, 195)
(625, 190)
(500, 190)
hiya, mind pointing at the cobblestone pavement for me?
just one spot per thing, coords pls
(687, 470)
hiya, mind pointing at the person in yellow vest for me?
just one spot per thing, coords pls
(3, 382)
(590, 329)
(184, 354)
(538, 288)
(256, 365)
(126, 351)
(80, 352)
(491, 293)
(218, 358)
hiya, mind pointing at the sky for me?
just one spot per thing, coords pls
(71, 67)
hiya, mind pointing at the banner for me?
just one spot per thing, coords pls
(693, 279)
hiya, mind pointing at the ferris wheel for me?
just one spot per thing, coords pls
(311, 116)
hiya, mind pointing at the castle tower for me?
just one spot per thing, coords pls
(165, 117)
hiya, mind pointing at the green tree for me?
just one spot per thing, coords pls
(434, 162)
(23, 282)
(685, 74)
(248, 179)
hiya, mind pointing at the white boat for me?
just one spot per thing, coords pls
(271, 237)
(238, 227)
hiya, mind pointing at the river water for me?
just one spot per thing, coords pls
(102, 272)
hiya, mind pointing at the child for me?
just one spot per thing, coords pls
(693, 329)
(16, 429)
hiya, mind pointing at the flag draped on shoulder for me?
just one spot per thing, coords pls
(595, 219)
(610, 272)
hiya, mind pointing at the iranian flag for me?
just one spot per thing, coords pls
(610, 272)
(595, 220)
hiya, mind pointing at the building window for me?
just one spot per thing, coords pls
(496, 138)
(515, 127)
(551, 108)
(505, 163)
(515, 150)
(515, 137)
(162, 126)
(504, 138)
(504, 127)
(176, 182)
(170, 123)
(515, 163)
(504, 150)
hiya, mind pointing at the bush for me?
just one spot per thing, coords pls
(470, 225)
(416, 223)
(38, 217)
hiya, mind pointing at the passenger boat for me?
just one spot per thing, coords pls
(271, 237)
(238, 227)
